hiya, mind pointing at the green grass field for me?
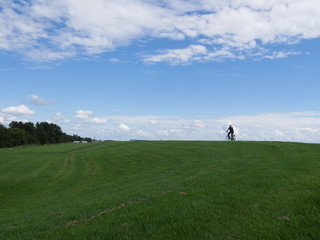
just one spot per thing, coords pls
(161, 190)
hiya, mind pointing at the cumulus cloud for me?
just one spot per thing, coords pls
(124, 127)
(82, 114)
(7, 118)
(18, 110)
(51, 30)
(15, 113)
(85, 116)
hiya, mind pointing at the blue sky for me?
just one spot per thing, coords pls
(177, 70)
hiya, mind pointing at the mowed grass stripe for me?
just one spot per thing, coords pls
(162, 190)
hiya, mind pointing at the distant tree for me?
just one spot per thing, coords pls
(41, 134)
(15, 124)
(88, 139)
(29, 127)
(4, 137)
(30, 132)
(56, 133)
(20, 133)
(17, 136)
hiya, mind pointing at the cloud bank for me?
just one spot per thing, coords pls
(52, 30)
(295, 127)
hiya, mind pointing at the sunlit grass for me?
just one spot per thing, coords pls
(161, 190)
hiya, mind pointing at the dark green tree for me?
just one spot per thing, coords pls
(17, 136)
(20, 133)
(41, 133)
(4, 138)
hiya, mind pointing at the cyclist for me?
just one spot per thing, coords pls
(230, 131)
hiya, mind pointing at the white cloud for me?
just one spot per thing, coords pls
(58, 117)
(282, 54)
(82, 114)
(199, 53)
(7, 118)
(114, 60)
(46, 54)
(51, 30)
(178, 56)
(306, 113)
(143, 133)
(34, 99)
(279, 127)
(97, 120)
(299, 127)
(18, 110)
(295, 126)
(15, 113)
(124, 127)
(136, 119)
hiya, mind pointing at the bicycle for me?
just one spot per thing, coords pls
(231, 138)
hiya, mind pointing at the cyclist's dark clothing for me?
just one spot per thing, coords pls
(230, 131)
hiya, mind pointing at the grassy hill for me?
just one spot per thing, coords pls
(161, 190)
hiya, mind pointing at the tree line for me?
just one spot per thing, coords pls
(28, 133)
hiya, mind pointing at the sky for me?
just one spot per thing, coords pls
(163, 69)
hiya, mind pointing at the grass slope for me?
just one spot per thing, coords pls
(161, 190)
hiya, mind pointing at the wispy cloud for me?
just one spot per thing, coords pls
(36, 100)
(58, 117)
(96, 120)
(282, 54)
(179, 56)
(51, 30)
